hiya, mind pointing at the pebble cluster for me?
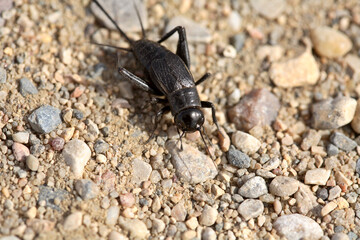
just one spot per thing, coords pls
(73, 158)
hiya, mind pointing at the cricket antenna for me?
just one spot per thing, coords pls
(141, 23)
(106, 45)
(207, 148)
(113, 21)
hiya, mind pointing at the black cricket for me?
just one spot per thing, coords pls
(168, 75)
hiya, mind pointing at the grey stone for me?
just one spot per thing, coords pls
(343, 142)
(357, 167)
(86, 188)
(101, 146)
(45, 119)
(284, 186)
(251, 208)
(238, 158)
(253, 188)
(332, 150)
(26, 87)
(49, 194)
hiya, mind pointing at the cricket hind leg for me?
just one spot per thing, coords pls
(182, 47)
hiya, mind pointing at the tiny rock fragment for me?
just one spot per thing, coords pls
(76, 154)
(26, 87)
(300, 71)
(253, 188)
(238, 158)
(317, 176)
(190, 164)
(195, 32)
(32, 162)
(245, 142)
(179, 212)
(270, 10)
(343, 142)
(73, 221)
(311, 138)
(124, 14)
(258, 108)
(305, 199)
(20, 151)
(112, 215)
(333, 113)
(250, 208)
(296, 226)
(86, 188)
(224, 140)
(284, 186)
(328, 208)
(45, 119)
(208, 216)
(329, 42)
(141, 171)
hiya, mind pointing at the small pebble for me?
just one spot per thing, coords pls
(114, 235)
(208, 216)
(238, 41)
(322, 193)
(332, 150)
(296, 226)
(86, 189)
(45, 119)
(32, 162)
(343, 142)
(235, 21)
(26, 87)
(76, 154)
(224, 140)
(357, 167)
(127, 200)
(136, 228)
(339, 236)
(179, 212)
(238, 158)
(112, 215)
(317, 176)
(329, 42)
(194, 31)
(311, 138)
(328, 208)
(270, 10)
(333, 113)
(208, 234)
(234, 97)
(73, 221)
(300, 71)
(191, 165)
(20, 151)
(57, 143)
(245, 142)
(192, 223)
(250, 208)
(253, 188)
(141, 171)
(21, 137)
(101, 146)
(355, 123)
(158, 226)
(334, 193)
(257, 108)
(283, 186)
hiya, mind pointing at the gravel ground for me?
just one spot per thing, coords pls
(285, 84)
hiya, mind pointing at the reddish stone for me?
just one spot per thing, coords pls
(20, 151)
(258, 108)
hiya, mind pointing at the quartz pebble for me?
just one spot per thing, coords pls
(257, 108)
(141, 171)
(73, 221)
(191, 165)
(343, 142)
(127, 200)
(238, 158)
(329, 42)
(32, 162)
(253, 188)
(179, 212)
(317, 176)
(158, 226)
(26, 87)
(76, 154)
(283, 186)
(112, 215)
(296, 227)
(86, 188)
(45, 119)
(245, 142)
(333, 113)
(270, 10)
(124, 14)
(21, 137)
(235, 21)
(194, 31)
(136, 228)
(208, 234)
(329, 207)
(20, 151)
(114, 235)
(250, 208)
(208, 216)
(300, 71)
